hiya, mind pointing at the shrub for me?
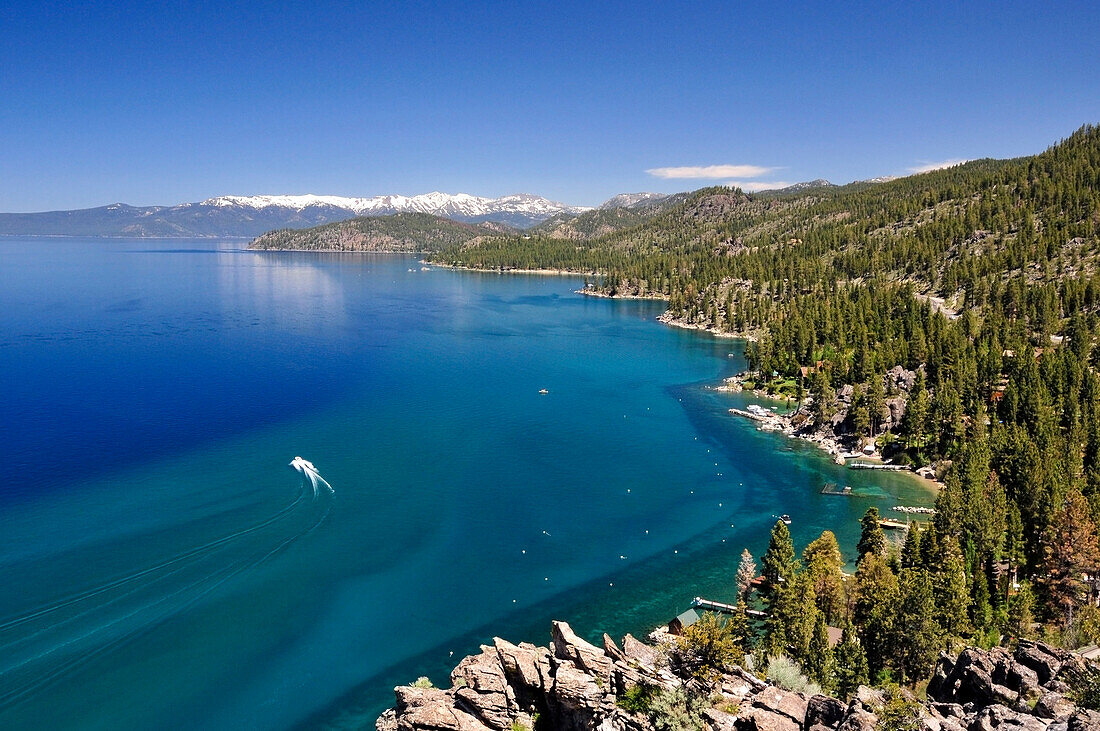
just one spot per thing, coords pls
(676, 710)
(787, 674)
(422, 682)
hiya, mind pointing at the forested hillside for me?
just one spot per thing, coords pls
(401, 232)
(983, 280)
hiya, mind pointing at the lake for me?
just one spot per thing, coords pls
(163, 566)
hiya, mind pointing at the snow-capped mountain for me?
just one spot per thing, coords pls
(521, 210)
(629, 200)
(252, 215)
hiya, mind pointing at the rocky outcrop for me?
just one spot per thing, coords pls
(574, 685)
(1024, 689)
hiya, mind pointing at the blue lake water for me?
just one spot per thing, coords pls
(162, 566)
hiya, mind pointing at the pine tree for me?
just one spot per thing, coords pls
(779, 562)
(850, 662)
(819, 664)
(949, 587)
(824, 565)
(875, 608)
(871, 539)
(746, 572)
(1070, 553)
(915, 632)
(910, 550)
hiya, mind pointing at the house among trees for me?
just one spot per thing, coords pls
(682, 621)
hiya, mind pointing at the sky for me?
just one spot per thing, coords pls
(169, 102)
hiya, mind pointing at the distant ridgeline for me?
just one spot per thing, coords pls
(980, 281)
(401, 232)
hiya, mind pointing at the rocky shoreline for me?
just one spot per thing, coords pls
(573, 685)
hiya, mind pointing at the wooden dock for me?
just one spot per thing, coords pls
(876, 466)
(748, 414)
(723, 608)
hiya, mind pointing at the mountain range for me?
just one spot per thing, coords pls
(250, 216)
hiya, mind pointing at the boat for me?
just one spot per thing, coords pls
(543, 391)
(785, 518)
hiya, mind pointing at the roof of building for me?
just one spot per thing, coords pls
(688, 618)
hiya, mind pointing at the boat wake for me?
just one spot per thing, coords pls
(42, 645)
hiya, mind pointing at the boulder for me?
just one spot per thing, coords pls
(521, 666)
(858, 719)
(387, 721)
(1084, 721)
(719, 720)
(1055, 706)
(639, 652)
(611, 649)
(431, 709)
(1041, 658)
(586, 656)
(823, 712)
(783, 702)
(576, 701)
(997, 716)
(762, 719)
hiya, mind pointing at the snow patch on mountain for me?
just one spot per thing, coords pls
(459, 205)
(627, 200)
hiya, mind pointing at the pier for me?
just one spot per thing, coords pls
(874, 466)
(723, 608)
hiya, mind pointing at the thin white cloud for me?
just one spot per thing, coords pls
(711, 171)
(752, 186)
(930, 166)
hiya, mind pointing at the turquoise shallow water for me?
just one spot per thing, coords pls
(163, 566)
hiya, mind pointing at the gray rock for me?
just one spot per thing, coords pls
(576, 701)
(611, 649)
(947, 710)
(1055, 706)
(639, 652)
(387, 721)
(1041, 658)
(777, 700)
(483, 690)
(997, 716)
(719, 720)
(431, 709)
(521, 666)
(858, 719)
(586, 656)
(762, 719)
(1084, 721)
(823, 712)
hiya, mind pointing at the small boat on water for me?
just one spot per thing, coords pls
(543, 391)
(785, 518)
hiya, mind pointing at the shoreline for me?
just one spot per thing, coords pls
(546, 272)
(831, 445)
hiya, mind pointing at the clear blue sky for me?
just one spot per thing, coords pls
(165, 102)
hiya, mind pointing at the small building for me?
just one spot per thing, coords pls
(682, 622)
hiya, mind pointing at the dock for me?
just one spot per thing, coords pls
(748, 414)
(723, 608)
(831, 488)
(890, 524)
(875, 466)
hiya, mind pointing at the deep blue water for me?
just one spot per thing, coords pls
(162, 566)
